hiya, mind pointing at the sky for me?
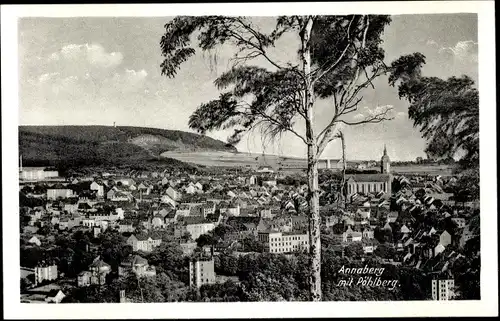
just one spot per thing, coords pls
(100, 71)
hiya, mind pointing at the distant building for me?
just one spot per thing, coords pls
(136, 264)
(286, 242)
(385, 163)
(442, 290)
(188, 248)
(56, 192)
(143, 242)
(96, 275)
(98, 188)
(372, 183)
(201, 272)
(45, 273)
(36, 173)
(197, 226)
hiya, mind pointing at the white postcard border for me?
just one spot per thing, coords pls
(488, 305)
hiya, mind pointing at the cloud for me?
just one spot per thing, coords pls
(367, 112)
(463, 51)
(400, 114)
(378, 110)
(94, 54)
(432, 43)
(129, 80)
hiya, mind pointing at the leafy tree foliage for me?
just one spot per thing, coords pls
(446, 111)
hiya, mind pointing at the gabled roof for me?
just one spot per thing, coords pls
(189, 220)
(369, 177)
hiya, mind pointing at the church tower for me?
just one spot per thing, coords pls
(385, 163)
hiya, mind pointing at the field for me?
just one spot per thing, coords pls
(444, 170)
(252, 160)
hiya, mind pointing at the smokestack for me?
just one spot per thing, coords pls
(114, 124)
(21, 163)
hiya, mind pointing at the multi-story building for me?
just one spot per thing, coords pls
(143, 242)
(59, 192)
(197, 226)
(36, 173)
(46, 272)
(284, 242)
(201, 271)
(442, 290)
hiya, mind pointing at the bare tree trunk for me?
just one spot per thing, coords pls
(312, 168)
(314, 227)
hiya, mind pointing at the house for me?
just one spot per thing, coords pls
(167, 199)
(43, 294)
(59, 191)
(158, 221)
(95, 275)
(350, 236)
(125, 227)
(445, 238)
(143, 243)
(190, 189)
(287, 242)
(368, 233)
(35, 240)
(198, 226)
(89, 222)
(125, 181)
(183, 210)
(233, 209)
(84, 278)
(199, 186)
(136, 264)
(71, 206)
(173, 194)
(404, 230)
(368, 248)
(45, 272)
(252, 180)
(269, 182)
(94, 186)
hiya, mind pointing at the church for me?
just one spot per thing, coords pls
(372, 183)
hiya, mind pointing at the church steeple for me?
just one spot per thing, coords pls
(385, 162)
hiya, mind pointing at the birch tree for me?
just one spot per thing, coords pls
(338, 57)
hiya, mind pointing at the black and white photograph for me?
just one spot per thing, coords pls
(311, 153)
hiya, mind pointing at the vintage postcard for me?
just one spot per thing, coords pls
(229, 160)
